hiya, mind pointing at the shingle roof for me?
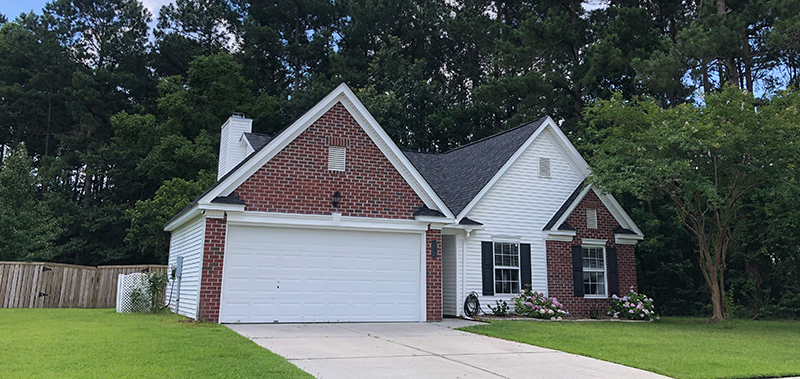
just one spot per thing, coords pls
(257, 140)
(458, 175)
(564, 207)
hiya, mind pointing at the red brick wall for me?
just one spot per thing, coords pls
(297, 179)
(433, 268)
(211, 275)
(559, 258)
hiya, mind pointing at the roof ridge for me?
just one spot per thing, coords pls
(493, 135)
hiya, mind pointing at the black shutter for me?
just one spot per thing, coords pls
(525, 265)
(613, 271)
(577, 271)
(487, 265)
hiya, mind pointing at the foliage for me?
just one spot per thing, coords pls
(148, 297)
(82, 343)
(109, 115)
(704, 159)
(148, 217)
(27, 229)
(501, 308)
(675, 347)
(537, 305)
(633, 306)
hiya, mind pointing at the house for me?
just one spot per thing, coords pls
(328, 221)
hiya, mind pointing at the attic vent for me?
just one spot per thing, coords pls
(591, 218)
(336, 158)
(544, 167)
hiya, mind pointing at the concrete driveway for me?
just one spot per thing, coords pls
(420, 350)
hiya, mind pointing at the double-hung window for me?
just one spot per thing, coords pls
(594, 271)
(506, 267)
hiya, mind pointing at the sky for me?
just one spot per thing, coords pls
(12, 8)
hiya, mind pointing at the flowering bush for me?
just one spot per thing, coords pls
(633, 306)
(537, 305)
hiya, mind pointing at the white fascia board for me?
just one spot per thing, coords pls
(221, 207)
(291, 220)
(393, 153)
(434, 219)
(342, 94)
(500, 172)
(572, 207)
(187, 216)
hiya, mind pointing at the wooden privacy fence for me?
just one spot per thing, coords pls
(57, 285)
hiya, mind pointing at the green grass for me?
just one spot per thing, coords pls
(91, 343)
(677, 347)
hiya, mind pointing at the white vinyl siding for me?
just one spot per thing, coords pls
(518, 206)
(187, 241)
(449, 274)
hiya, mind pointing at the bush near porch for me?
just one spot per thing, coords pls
(682, 348)
(99, 343)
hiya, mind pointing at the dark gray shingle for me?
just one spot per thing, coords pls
(459, 174)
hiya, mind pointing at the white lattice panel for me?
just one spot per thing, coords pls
(125, 285)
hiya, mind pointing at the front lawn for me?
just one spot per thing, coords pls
(675, 347)
(99, 343)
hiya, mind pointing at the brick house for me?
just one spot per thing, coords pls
(329, 221)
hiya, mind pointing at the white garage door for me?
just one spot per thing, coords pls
(310, 275)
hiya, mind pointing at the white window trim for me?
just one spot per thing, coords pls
(605, 271)
(496, 267)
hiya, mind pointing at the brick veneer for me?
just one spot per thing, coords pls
(559, 258)
(211, 280)
(433, 274)
(297, 179)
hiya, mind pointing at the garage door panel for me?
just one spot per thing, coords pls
(307, 275)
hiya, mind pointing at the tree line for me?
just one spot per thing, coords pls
(117, 124)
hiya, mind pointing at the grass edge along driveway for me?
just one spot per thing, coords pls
(683, 348)
(99, 343)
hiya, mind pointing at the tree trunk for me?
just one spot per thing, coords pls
(296, 57)
(704, 72)
(748, 65)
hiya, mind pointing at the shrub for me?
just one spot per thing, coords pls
(537, 305)
(633, 306)
(501, 309)
(148, 296)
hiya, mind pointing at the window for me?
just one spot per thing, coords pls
(544, 167)
(591, 218)
(336, 158)
(594, 271)
(506, 267)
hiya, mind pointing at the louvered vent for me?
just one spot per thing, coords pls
(336, 160)
(544, 167)
(591, 218)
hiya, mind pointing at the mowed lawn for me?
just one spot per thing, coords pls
(677, 347)
(99, 343)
